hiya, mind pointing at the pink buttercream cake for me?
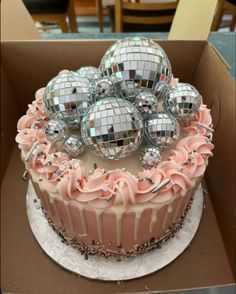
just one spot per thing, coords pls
(114, 208)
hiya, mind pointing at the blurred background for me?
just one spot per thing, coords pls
(107, 16)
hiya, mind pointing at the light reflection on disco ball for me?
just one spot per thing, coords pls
(138, 64)
(55, 130)
(102, 88)
(182, 100)
(150, 157)
(66, 98)
(146, 103)
(90, 72)
(112, 128)
(73, 145)
(161, 129)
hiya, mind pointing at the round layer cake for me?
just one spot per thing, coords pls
(121, 196)
(114, 208)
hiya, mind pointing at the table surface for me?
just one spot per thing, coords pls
(224, 42)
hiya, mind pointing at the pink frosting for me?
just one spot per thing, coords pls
(102, 189)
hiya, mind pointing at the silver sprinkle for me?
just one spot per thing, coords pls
(161, 185)
(25, 174)
(31, 151)
(206, 127)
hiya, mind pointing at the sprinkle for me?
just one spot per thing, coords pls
(149, 180)
(109, 197)
(31, 151)
(90, 172)
(121, 184)
(95, 166)
(161, 185)
(208, 128)
(25, 174)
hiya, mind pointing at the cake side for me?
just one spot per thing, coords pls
(116, 230)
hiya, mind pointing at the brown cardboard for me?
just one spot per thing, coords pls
(192, 20)
(16, 22)
(25, 268)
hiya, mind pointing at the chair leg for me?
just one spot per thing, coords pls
(72, 17)
(99, 9)
(233, 23)
(63, 24)
(118, 16)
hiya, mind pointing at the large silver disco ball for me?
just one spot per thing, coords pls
(161, 129)
(112, 128)
(138, 64)
(90, 72)
(182, 100)
(66, 98)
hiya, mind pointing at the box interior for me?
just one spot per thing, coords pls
(209, 260)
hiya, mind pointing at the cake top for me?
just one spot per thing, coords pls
(145, 102)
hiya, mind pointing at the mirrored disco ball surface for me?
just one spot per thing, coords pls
(146, 103)
(102, 88)
(89, 72)
(73, 145)
(66, 98)
(112, 128)
(182, 100)
(150, 157)
(55, 130)
(161, 129)
(137, 63)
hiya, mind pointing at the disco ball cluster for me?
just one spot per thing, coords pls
(114, 107)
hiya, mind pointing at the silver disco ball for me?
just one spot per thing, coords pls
(55, 130)
(73, 145)
(146, 103)
(150, 157)
(138, 64)
(102, 88)
(90, 72)
(112, 128)
(66, 98)
(160, 90)
(182, 100)
(161, 129)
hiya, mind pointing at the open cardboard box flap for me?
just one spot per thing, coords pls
(27, 66)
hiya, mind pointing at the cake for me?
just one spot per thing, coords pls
(114, 207)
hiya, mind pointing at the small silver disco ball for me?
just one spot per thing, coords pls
(182, 100)
(73, 145)
(161, 129)
(138, 64)
(102, 88)
(66, 98)
(146, 103)
(112, 128)
(55, 130)
(90, 72)
(150, 157)
(160, 90)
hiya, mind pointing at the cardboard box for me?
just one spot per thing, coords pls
(209, 260)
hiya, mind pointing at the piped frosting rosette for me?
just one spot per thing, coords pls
(101, 189)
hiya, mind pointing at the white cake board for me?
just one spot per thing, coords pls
(110, 269)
